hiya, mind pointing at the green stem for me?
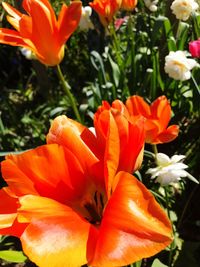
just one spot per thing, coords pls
(67, 89)
(195, 83)
(115, 44)
(131, 44)
(155, 151)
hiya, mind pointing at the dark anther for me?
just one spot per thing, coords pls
(95, 217)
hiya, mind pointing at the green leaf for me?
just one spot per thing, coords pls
(5, 153)
(171, 42)
(182, 35)
(12, 256)
(157, 263)
(115, 71)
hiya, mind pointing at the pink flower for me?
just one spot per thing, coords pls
(119, 22)
(194, 48)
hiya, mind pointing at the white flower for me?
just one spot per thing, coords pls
(151, 5)
(27, 53)
(178, 66)
(169, 170)
(85, 21)
(182, 9)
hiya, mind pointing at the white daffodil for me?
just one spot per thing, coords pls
(178, 66)
(85, 21)
(27, 53)
(151, 5)
(169, 170)
(183, 9)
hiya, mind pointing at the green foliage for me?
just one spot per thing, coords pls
(12, 256)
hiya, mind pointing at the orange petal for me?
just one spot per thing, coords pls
(133, 226)
(47, 171)
(53, 238)
(8, 215)
(106, 9)
(112, 153)
(26, 27)
(109, 142)
(161, 111)
(14, 17)
(68, 20)
(128, 4)
(8, 208)
(44, 4)
(168, 135)
(45, 38)
(151, 130)
(119, 105)
(11, 37)
(137, 106)
(101, 119)
(12, 11)
(131, 135)
(63, 130)
(130, 131)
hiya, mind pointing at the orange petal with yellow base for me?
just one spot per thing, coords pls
(133, 226)
(56, 235)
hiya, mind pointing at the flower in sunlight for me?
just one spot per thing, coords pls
(114, 120)
(85, 22)
(183, 9)
(178, 66)
(106, 9)
(151, 5)
(194, 48)
(39, 30)
(169, 170)
(69, 206)
(128, 4)
(157, 117)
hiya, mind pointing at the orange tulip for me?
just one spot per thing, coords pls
(157, 117)
(128, 4)
(39, 30)
(59, 204)
(130, 133)
(106, 9)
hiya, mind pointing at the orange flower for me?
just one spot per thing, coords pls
(157, 117)
(106, 9)
(57, 203)
(130, 133)
(39, 30)
(128, 4)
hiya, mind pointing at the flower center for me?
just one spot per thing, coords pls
(94, 208)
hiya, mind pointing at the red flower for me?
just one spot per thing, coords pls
(157, 117)
(194, 48)
(67, 208)
(39, 30)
